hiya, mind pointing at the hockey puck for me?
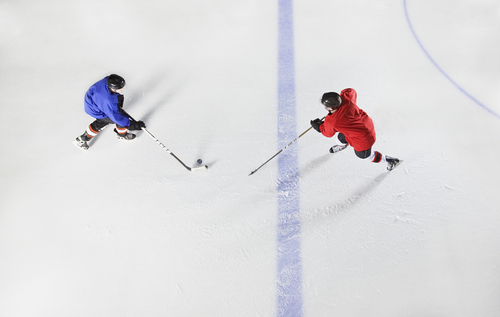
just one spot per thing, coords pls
(199, 161)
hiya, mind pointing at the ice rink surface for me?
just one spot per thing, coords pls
(124, 230)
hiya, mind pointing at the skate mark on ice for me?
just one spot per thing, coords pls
(318, 215)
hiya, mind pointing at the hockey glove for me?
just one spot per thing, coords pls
(136, 125)
(120, 101)
(316, 123)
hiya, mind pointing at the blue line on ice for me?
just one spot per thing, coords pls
(440, 69)
(289, 279)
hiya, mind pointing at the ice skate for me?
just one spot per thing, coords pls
(392, 162)
(338, 148)
(81, 143)
(125, 136)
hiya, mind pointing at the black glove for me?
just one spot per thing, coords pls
(136, 125)
(316, 123)
(120, 101)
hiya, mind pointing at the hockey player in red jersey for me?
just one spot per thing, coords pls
(353, 125)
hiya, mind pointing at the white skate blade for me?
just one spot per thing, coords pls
(80, 147)
(399, 163)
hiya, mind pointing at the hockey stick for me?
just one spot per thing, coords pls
(282, 149)
(191, 169)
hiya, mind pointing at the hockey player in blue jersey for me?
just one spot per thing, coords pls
(103, 101)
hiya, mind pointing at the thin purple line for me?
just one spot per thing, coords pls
(440, 69)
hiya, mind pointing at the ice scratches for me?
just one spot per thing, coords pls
(99, 229)
(230, 244)
(290, 227)
(449, 187)
(404, 219)
(284, 194)
(181, 292)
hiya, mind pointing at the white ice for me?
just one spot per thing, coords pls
(124, 230)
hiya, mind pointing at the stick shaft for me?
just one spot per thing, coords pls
(161, 144)
(282, 149)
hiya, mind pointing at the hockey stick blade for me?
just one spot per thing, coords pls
(191, 169)
(198, 168)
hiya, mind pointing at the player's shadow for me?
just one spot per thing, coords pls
(135, 95)
(343, 207)
(361, 193)
(165, 99)
(314, 164)
(152, 84)
(293, 175)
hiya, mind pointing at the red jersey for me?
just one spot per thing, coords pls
(351, 121)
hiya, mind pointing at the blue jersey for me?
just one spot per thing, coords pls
(101, 103)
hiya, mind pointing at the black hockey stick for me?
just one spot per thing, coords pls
(192, 169)
(282, 149)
